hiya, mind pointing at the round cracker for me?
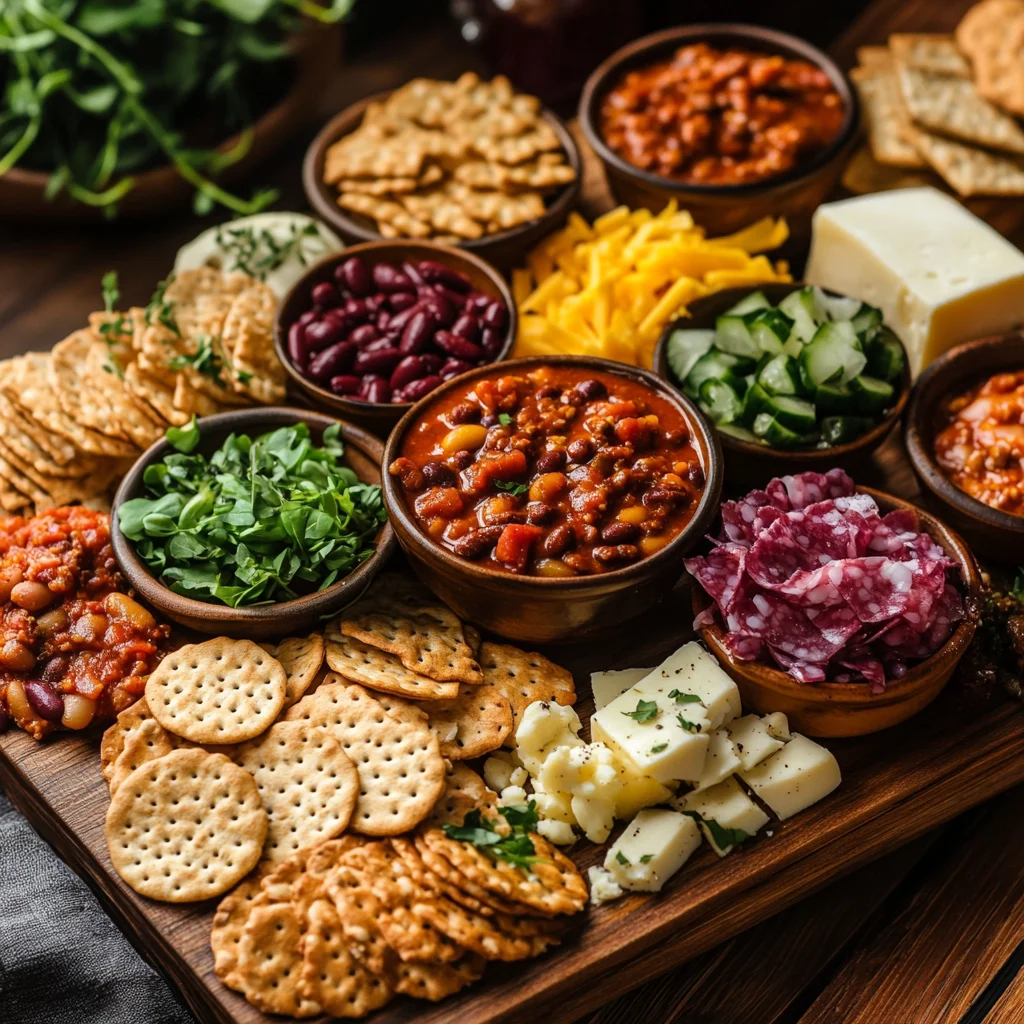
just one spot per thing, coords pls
(301, 658)
(524, 677)
(464, 791)
(474, 723)
(437, 981)
(186, 827)
(146, 743)
(219, 691)
(117, 733)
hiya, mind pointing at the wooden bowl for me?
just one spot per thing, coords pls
(991, 532)
(751, 464)
(261, 622)
(162, 190)
(532, 609)
(722, 209)
(380, 417)
(851, 709)
(505, 249)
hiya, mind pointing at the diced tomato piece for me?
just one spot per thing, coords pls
(633, 430)
(513, 547)
(496, 466)
(445, 502)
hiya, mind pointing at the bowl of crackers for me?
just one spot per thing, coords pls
(468, 163)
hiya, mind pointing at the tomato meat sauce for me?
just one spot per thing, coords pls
(562, 471)
(721, 117)
(980, 444)
(74, 647)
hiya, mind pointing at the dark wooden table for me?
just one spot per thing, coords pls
(934, 933)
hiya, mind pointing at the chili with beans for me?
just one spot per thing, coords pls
(562, 471)
(981, 445)
(721, 117)
(73, 646)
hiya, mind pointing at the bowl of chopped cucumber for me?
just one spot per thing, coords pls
(793, 377)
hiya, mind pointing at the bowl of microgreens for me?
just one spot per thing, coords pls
(108, 108)
(256, 524)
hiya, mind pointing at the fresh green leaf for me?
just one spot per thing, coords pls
(520, 815)
(647, 858)
(659, 748)
(686, 724)
(723, 837)
(111, 292)
(512, 487)
(684, 698)
(621, 858)
(185, 438)
(516, 848)
(646, 711)
(1017, 589)
(504, 419)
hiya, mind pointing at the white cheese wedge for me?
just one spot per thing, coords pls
(602, 886)
(722, 760)
(939, 274)
(777, 725)
(752, 740)
(728, 806)
(799, 775)
(692, 669)
(654, 846)
(606, 686)
(637, 792)
(542, 727)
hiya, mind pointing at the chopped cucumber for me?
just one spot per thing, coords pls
(800, 307)
(796, 413)
(840, 308)
(770, 330)
(732, 334)
(719, 401)
(840, 429)
(774, 433)
(830, 358)
(793, 347)
(886, 357)
(684, 348)
(754, 401)
(750, 304)
(740, 433)
(867, 321)
(716, 365)
(780, 376)
(835, 398)
(873, 394)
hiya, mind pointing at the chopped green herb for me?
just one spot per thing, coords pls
(207, 358)
(258, 253)
(659, 748)
(647, 858)
(646, 711)
(723, 837)
(513, 488)
(111, 293)
(687, 724)
(684, 698)
(504, 419)
(516, 848)
(1017, 590)
(620, 858)
(243, 376)
(160, 309)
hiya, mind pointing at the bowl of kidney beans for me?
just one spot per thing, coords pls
(370, 330)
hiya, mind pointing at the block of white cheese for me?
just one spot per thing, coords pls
(654, 846)
(542, 727)
(722, 760)
(692, 669)
(939, 274)
(729, 808)
(795, 777)
(606, 686)
(753, 741)
(777, 725)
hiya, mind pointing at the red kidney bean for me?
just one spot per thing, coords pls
(332, 361)
(418, 331)
(401, 300)
(477, 543)
(321, 333)
(352, 273)
(437, 273)
(409, 369)
(45, 700)
(324, 295)
(345, 384)
(366, 382)
(581, 450)
(444, 311)
(467, 326)
(539, 513)
(399, 320)
(496, 315)
(464, 412)
(364, 334)
(458, 347)
(357, 310)
(453, 367)
(383, 319)
(378, 391)
(620, 532)
(383, 361)
(418, 388)
(437, 474)
(409, 269)
(550, 462)
(297, 345)
(492, 342)
(308, 317)
(477, 302)
(432, 361)
(559, 540)
(587, 391)
(390, 279)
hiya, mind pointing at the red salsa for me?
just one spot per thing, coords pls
(73, 646)
(559, 471)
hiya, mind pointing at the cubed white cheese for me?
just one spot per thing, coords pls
(512, 795)
(728, 806)
(692, 669)
(752, 740)
(556, 805)
(498, 772)
(653, 847)
(542, 727)
(939, 274)
(637, 792)
(777, 725)
(589, 776)
(799, 775)
(602, 886)
(606, 686)
(558, 832)
(721, 761)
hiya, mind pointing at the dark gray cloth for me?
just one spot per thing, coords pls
(62, 960)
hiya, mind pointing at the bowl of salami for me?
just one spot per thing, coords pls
(845, 607)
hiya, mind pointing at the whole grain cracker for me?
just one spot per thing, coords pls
(474, 723)
(358, 914)
(991, 33)
(439, 883)
(373, 668)
(116, 734)
(301, 658)
(437, 981)
(929, 51)
(228, 921)
(464, 791)
(972, 172)
(524, 677)
(218, 691)
(886, 116)
(186, 826)
(307, 783)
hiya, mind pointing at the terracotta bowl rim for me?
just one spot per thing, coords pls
(632, 53)
(137, 573)
(673, 551)
(771, 678)
(812, 457)
(920, 418)
(346, 402)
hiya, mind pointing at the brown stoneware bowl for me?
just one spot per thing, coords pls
(851, 709)
(991, 532)
(537, 610)
(751, 464)
(261, 622)
(722, 209)
(380, 417)
(505, 249)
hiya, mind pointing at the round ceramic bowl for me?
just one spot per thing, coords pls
(261, 622)
(505, 249)
(991, 532)
(851, 709)
(532, 609)
(722, 209)
(748, 463)
(380, 417)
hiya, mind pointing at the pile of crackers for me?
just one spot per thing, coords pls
(73, 420)
(450, 161)
(317, 774)
(948, 104)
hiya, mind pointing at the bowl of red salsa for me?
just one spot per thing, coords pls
(549, 497)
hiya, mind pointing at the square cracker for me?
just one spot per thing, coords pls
(885, 116)
(524, 677)
(972, 172)
(374, 668)
(929, 51)
(865, 174)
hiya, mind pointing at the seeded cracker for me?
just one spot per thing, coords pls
(524, 678)
(929, 52)
(972, 172)
(474, 723)
(377, 670)
(992, 35)
(886, 115)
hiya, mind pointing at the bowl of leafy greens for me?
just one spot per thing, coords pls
(255, 524)
(111, 108)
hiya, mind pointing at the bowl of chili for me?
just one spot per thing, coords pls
(551, 497)
(972, 468)
(735, 122)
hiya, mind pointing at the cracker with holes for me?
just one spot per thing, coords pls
(145, 743)
(301, 658)
(228, 922)
(475, 722)
(437, 981)
(524, 677)
(185, 827)
(373, 668)
(219, 691)
(116, 735)
(464, 791)
(401, 771)
(359, 913)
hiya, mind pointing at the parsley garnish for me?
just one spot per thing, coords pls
(257, 253)
(684, 698)
(513, 488)
(687, 724)
(646, 858)
(659, 748)
(160, 308)
(205, 360)
(504, 419)
(111, 292)
(516, 848)
(243, 376)
(1017, 590)
(620, 858)
(724, 838)
(646, 711)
